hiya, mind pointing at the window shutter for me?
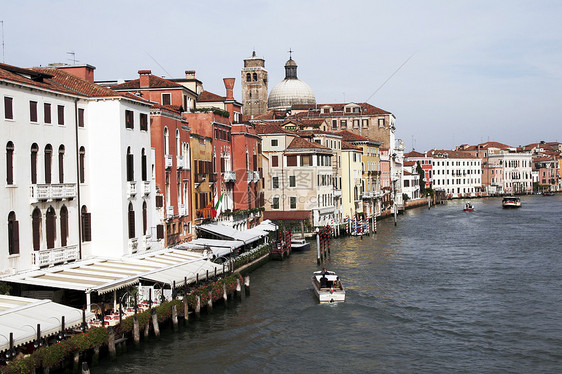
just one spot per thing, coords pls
(15, 237)
(143, 166)
(8, 111)
(159, 231)
(86, 227)
(36, 223)
(51, 229)
(131, 224)
(159, 201)
(63, 228)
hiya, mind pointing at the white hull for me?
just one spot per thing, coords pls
(333, 293)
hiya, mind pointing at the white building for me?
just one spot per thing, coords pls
(70, 147)
(411, 181)
(510, 172)
(458, 173)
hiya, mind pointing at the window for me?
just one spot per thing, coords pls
(10, 163)
(129, 119)
(255, 76)
(293, 202)
(355, 123)
(343, 124)
(47, 112)
(292, 160)
(34, 151)
(51, 227)
(36, 226)
(8, 108)
(80, 117)
(275, 182)
(144, 218)
(274, 142)
(274, 161)
(48, 156)
(63, 226)
(248, 77)
(86, 220)
(60, 113)
(166, 142)
(381, 122)
(177, 142)
(13, 234)
(82, 164)
(130, 165)
(33, 111)
(275, 204)
(292, 181)
(61, 164)
(143, 166)
(365, 123)
(306, 160)
(143, 122)
(334, 123)
(166, 99)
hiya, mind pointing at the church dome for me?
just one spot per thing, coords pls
(291, 90)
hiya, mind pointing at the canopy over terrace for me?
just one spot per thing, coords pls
(103, 276)
(20, 316)
(217, 247)
(226, 232)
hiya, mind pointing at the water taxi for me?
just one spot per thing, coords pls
(328, 287)
(511, 202)
(468, 207)
(299, 245)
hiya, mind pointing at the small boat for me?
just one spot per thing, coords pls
(511, 202)
(328, 287)
(548, 193)
(299, 245)
(468, 208)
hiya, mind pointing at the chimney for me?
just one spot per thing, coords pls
(229, 85)
(144, 78)
(85, 72)
(190, 74)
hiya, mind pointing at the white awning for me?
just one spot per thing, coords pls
(20, 316)
(180, 272)
(229, 233)
(267, 225)
(218, 247)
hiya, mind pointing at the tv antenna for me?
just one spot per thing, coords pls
(3, 54)
(73, 59)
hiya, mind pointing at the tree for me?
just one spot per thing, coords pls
(421, 172)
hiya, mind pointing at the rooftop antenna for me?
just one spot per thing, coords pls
(170, 75)
(3, 54)
(73, 59)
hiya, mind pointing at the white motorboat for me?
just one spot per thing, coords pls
(328, 287)
(299, 245)
(511, 202)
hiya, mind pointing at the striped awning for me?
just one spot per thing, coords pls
(20, 317)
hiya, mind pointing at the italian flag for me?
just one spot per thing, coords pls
(219, 206)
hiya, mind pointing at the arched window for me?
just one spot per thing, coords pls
(178, 149)
(130, 165)
(34, 152)
(63, 226)
(143, 166)
(61, 164)
(36, 225)
(13, 234)
(187, 156)
(86, 221)
(166, 141)
(144, 218)
(48, 162)
(131, 221)
(51, 227)
(82, 164)
(10, 163)
(248, 77)
(255, 77)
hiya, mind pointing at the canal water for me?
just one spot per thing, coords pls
(443, 291)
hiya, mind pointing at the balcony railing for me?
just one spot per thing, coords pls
(181, 209)
(133, 245)
(179, 162)
(256, 176)
(230, 176)
(169, 161)
(42, 192)
(131, 188)
(53, 256)
(146, 187)
(169, 211)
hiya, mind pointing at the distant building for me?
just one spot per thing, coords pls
(254, 86)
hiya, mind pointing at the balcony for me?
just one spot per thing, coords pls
(179, 161)
(337, 193)
(53, 256)
(230, 176)
(44, 192)
(169, 212)
(131, 189)
(146, 187)
(256, 176)
(133, 245)
(182, 210)
(250, 176)
(168, 161)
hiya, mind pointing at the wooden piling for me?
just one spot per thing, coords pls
(136, 331)
(210, 302)
(76, 362)
(224, 295)
(155, 325)
(185, 309)
(111, 343)
(238, 288)
(85, 368)
(175, 317)
(147, 329)
(96, 356)
(247, 285)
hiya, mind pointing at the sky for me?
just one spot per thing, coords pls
(452, 72)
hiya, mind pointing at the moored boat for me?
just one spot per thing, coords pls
(511, 202)
(328, 287)
(299, 245)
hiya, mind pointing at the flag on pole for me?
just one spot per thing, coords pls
(219, 205)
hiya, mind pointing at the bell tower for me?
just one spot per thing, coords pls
(254, 86)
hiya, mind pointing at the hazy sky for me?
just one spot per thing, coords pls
(475, 71)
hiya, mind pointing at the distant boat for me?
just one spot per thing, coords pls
(548, 193)
(468, 208)
(511, 202)
(299, 245)
(328, 287)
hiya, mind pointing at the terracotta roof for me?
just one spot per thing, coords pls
(301, 143)
(410, 163)
(346, 145)
(450, 153)
(153, 82)
(209, 96)
(309, 133)
(287, 214)
(348, 136)
(366, 108)
(414, 154)
(271, 128)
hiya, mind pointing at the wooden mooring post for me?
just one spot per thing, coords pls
(175, 317)
(155, 325)
(136, 331)
(111, 343)
(247, 285)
